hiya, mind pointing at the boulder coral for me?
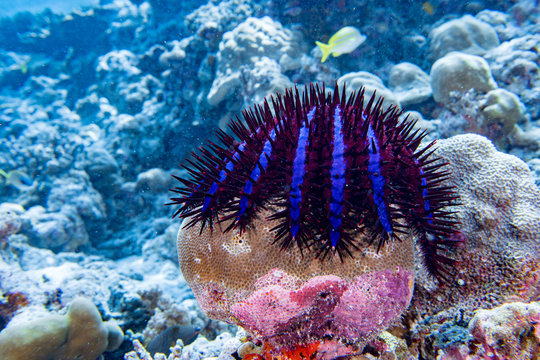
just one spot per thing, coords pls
(500, 217)
(466, 34)
(409, 83)
(460, 72)
(286, 299)
(500, 110)
(78, 335)
(371, 84)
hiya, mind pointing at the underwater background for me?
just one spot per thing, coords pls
(100, 102)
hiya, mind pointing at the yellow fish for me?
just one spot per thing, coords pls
(342, 42)
(16, 178)
(428, 8)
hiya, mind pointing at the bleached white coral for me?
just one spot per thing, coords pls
(460, 72)
(354, 81)
(259, 48)
(466, 34)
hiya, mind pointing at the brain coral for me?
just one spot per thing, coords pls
(500, 218)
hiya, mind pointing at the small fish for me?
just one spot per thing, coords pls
(16, 178)
(428, 8)
(342, 42)
(23, 66)
(167, 338)
(293, 11)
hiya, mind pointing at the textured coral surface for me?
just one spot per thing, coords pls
(500, 260)
(510, 331)
(287, 299)
(324, 305)
(500, 219)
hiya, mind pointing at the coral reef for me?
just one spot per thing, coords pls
(98, 105)
(514, 64)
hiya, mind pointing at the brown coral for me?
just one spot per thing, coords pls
(244, 279)
(8, 307)
(10, 223)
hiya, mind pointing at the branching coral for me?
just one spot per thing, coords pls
(140, 353)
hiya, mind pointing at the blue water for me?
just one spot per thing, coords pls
(9, 8)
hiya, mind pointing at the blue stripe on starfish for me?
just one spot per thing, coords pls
(256, 172)
(222, 177)
(377, 179)
(337, 177)
(299, 170)
(427, 206)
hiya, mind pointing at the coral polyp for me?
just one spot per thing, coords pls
(328, 166)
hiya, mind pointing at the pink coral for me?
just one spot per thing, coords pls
(325, 307)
